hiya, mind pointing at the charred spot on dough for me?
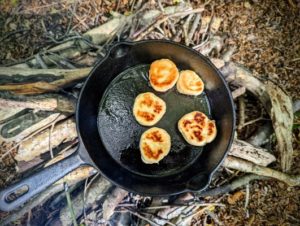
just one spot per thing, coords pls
(150, 153)
(197, 127)
(146, 115)
(155, 136)
(199, 118)
(157, 107)
(148, 101)
(186, 122)
(198, 135)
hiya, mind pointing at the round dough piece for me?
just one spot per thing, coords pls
(148, 109)
(163, 75)
(155, 144)
(190, 83)
(197, 129)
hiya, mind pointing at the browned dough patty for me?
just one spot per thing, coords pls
(163, 75)
(155, 144)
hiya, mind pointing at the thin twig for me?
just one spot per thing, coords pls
(247, 196)
(214, 217)
(240, 181)
(40, 61)
(142, 33)
(194, 26)
(28, 218)
(254, 120)
(241, 113)
(50, 136)
(70, 206)
(185, 27)
(160, 6)
(183, 204)
(86, 187)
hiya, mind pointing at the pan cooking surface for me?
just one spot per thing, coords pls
(120, 132)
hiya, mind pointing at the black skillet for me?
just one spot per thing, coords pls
(109, 135)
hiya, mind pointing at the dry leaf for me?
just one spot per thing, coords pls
(232, 199)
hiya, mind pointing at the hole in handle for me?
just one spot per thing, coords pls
(17, 193)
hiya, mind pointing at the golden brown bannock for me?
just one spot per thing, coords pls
(197, 129)
(190, 83)
(148, 109)
(163, 75)
(155, 144)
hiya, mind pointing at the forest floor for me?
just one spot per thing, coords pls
(266, 36)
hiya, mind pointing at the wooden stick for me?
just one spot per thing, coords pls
(239, 182)
(36, 81)
(282, 117)
(244, 150)
(249, 167)
(276, 103)
(49, 102)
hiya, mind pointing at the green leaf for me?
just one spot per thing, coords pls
(296, 126)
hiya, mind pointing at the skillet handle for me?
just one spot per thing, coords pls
(10, 197)
(198, 183)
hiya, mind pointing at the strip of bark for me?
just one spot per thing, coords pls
(282, 117)
(253, 154)
(46, 102)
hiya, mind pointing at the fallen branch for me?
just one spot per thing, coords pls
(244, 150)
(36, 81)
(276, 103)
(49, 102)
(282, 117)
(249, 167)
(239, 182)
(241, 76)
